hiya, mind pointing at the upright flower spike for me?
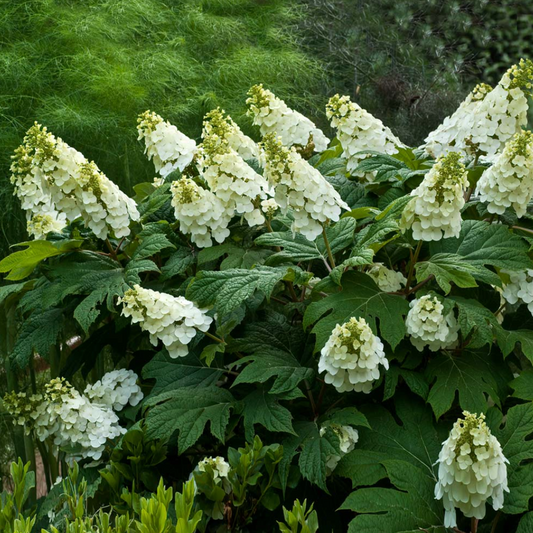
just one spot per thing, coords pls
(509, 181)
(387, 280)
(300, 187)
(273, 116)
(200, 213)
(428, 326)
(351, 357)
(487, 119)
(231, 179)
(169, 149)
(218, 123)
(56, 184)
(357, 131)
(472, 469)
(170, 319)
(434, 211)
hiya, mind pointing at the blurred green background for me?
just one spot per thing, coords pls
(86, 68)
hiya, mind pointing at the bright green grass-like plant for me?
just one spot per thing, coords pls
(86, 69)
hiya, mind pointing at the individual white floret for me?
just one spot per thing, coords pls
(116, 389)
(509, 181)
(269, 207)
(174, 320)
(273, 116)
(434, 211)
(200, 213)
(351, 357)
(231, 179)
(348, 437)
(427, 326)
(301, 188)
(472, 470)
(519, 287)
(218, 123)
(487, 119)
(169, 149)
(357, 131)
(54, 180)
(387, 280)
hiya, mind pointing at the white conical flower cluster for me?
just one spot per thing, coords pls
(348, 437)
(519, 288)
(351, 357)
(231, 179)
(56, 183)
(116, 389)
(487, 119)
(427, 326)
(174, 320)
(357, 131)
(509, 181)
(273, 116)
(386, 279)
(472, 470)
(169, 149)
(434, 211)
(300, 187)
(200, 213)
(218, 123)
(71, 418)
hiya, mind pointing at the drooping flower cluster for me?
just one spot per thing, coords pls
(487, 119)
(434, 211)
(348, 437)
(116, 389)
(300, 187)
(169, 149)
(386, 279)
(56, 184)
(351, 357)
(200, 213)
(509, 181)
(218, 123)
(519, 288)
(174, 320)
(231, 179)
(273, 116)
(428, 326)
(86, 421)
(472, 469)
(357, 131)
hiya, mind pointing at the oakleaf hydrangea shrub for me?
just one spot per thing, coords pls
(280, 319)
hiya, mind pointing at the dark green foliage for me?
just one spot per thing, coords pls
(411, 63)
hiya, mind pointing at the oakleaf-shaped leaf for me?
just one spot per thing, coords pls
(262, 408)
(474, 376)
(480, 244)
(360, 297)
(179, 373)
(188, 410)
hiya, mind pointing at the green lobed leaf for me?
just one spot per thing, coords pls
(188, 410)
(262, 408)
(178, 262)
(360, 297)
(473, 376)
(22, 263)
(151, 245)
(480, 244)
(523, 385)
(183, 372)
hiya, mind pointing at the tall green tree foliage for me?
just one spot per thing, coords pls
(86, 69)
